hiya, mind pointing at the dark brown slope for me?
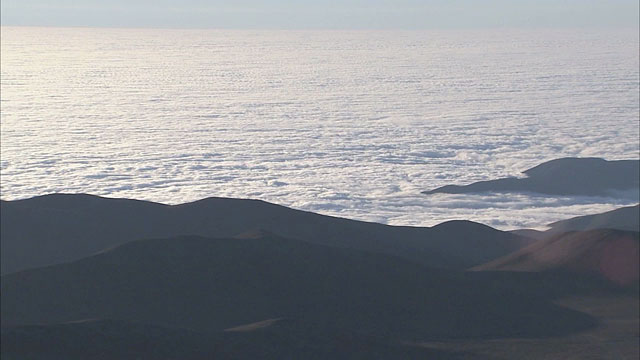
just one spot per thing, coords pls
(58, 228)
(214, 284)
(610, 254)
(615, 337)
(109, 339)
(566, 176)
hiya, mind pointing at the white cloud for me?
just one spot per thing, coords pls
(352, 124)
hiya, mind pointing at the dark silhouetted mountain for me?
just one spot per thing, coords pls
(626, 218)
(109, 339)
(609, 254)
(58, 228)
(210, 285)
(566, 176)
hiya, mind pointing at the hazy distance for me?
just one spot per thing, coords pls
(331, 14)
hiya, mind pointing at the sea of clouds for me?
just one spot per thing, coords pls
(353, 124)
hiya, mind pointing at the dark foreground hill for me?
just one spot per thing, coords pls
(566, 176)
(609, 254)
(282, 340)
(58, 228)
(616, 336)
(209, 285)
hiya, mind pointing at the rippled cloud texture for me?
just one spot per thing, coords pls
(347, 123)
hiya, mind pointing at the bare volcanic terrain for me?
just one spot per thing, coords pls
(565, 176)
(606, 253)
(285, 339)
(57, 228)
(342, 290)
(208, 285)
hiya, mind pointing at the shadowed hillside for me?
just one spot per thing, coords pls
(104, 339)
(215, 284)
(109, 339)
(566, 176)
(615, 337)
(58, 228)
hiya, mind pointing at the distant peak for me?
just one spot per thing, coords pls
(459, 223)
(572, 162)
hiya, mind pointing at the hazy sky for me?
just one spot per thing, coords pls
(333, 14)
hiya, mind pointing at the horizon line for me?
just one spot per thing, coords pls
(461, 28)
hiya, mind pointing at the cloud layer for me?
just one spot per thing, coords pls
(353, 124)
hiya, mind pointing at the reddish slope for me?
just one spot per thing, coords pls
(612, 254)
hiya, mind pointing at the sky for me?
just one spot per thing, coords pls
(325, 14)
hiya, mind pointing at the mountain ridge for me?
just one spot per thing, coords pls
(563, 176)
(62, 227)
